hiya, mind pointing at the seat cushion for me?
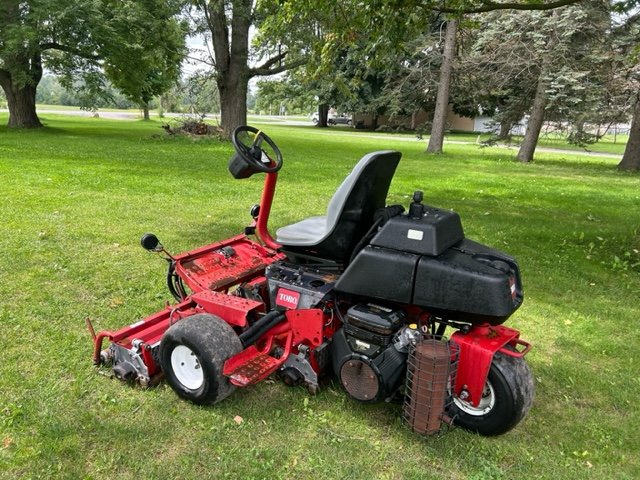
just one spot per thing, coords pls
(349, 213)
(304, 233)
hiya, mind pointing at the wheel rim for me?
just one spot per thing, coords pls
(487, 402)
(186, 367)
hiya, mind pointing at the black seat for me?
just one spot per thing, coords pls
(349, 213)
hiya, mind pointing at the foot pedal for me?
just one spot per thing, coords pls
(250, 366)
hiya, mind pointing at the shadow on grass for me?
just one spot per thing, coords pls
(580, 165)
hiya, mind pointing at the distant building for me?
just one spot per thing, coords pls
(454, 122)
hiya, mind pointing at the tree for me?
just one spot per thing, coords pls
(138, 44)
(383, 28)
(631, 157)
(567, 57)
(200, 94)
(442, 103)
(226, 24)
(626, 34)
(287, 93)
(50, 91)
(290, 33)
(552, 64)
(413, 86)
(353, 86)
(149, 64)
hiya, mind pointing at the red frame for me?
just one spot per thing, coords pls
(300, 327)
(210, 287)
(208, 268)
(149, 331)
(262, 229)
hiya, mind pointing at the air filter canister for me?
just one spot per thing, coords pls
(430, 370)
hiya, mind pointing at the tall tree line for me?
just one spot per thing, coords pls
(562, 54)
(575, 64)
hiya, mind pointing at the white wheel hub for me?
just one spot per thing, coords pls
(186, 367)
(487, 402)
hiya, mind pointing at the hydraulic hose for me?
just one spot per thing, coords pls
(255, 331)
(174, 283)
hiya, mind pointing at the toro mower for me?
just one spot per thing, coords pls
(365, 293)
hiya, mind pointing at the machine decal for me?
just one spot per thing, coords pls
(287, 298)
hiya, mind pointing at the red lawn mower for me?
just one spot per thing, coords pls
(365, 292)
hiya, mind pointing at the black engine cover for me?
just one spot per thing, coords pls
(370, 328)
(364, 357)
(471, 283)
(428, 262)
(431, 235)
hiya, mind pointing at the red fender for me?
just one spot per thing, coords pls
(477, 348)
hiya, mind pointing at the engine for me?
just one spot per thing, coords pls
(369, 353)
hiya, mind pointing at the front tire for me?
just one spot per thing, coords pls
(192, 355)
(506, 398)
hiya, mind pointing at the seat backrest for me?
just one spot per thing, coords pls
(350, 211)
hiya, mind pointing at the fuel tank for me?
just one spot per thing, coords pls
(427, 261)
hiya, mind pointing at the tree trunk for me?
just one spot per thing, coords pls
(230, 38)
(233, 104)
(229, 24)
(536, 119)
(442, 101)
(323, 115)
(145, 111)
(528, 147)
(161, 104)
(21, 102)
(505, 129)
(631, 158)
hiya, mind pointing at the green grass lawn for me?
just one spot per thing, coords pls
(612, 144)
(76, 197)
(608, 144)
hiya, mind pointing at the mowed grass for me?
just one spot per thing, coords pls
(76, 197)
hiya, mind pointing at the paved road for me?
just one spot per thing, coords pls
(132, 115)
(99, 113)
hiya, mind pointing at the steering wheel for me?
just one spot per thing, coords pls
(248, 142)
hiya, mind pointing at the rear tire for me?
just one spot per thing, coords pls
(192, 355)
(506, 399)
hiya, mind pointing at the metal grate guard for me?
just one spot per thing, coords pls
(431, 369)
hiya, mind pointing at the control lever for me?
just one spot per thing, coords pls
(416, 209)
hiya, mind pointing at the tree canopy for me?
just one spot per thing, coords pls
(137, 44)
